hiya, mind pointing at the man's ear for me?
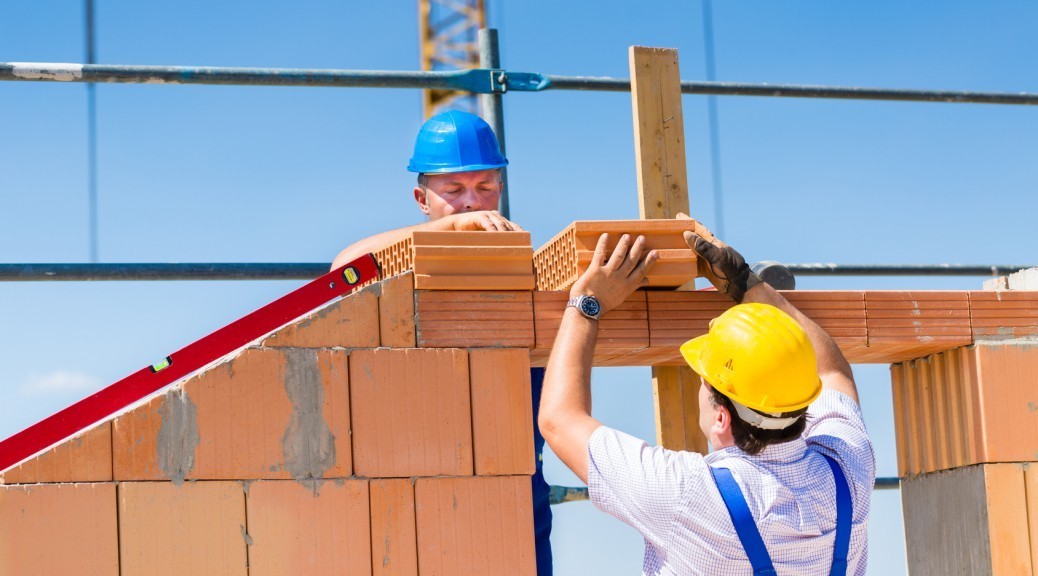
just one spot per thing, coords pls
(422, 198)
(723, 421)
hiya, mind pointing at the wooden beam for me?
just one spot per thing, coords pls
(659, 145)
(659, 132)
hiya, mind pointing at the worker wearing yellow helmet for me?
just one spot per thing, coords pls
(785, 490)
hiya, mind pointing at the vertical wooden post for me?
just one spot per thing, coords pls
(659, 144)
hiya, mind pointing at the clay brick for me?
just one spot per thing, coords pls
(308, 528)
(910, 324)
(350, 322)
(971, 520)
(396, 312)
(411, 413)
(474, 319)
(394, 542)
(268, 413)
(566, 256)
(86, 457)
(967, 406)
(59, 529)
(622, 331)
(1003, 315)
(502, 411)
(193, 528)
(480, 525)
(462, 260)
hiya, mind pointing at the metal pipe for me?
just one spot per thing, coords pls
(480, 80)
(492, 105)
(311, 270)
(600, 84)
(563, 494)
(190, 271)
(824, 269)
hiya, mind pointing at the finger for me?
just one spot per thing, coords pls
(645, 265)
(515, 227)
(600, 251)
(636, 255)
(616, 259)
(495, 222)
(682, 216)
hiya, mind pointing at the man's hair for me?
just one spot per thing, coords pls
(751, 439)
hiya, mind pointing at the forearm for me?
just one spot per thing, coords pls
(833, 367)
(565, 412)
(383, 239)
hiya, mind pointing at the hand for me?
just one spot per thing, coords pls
(483, 220)
(612, 281)
(721, 264)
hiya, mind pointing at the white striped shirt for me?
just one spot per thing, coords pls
(672, 500)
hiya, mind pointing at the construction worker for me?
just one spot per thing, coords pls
(786, 489)
(458, 162)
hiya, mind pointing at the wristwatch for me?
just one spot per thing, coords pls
(586, 305)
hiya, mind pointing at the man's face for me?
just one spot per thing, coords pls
(446, 194)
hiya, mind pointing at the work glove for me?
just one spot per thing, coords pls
(721, 264)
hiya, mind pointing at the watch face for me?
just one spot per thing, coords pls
(590, 306)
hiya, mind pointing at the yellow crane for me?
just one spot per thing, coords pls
(448, 41)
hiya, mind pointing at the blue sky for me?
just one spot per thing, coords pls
(240, 174)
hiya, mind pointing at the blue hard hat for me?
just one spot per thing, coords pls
(455, 142)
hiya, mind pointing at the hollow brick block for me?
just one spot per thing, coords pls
(479, 525)
(349, 322)
(268, 413)
(466, 260)
(565, 257)
(502, 411)
(309, 528)
(445, 319)
(396, 312)
(411, 412)
(967, 406)
(193, 528)
(394, 543)
(59, 529)
(903, 325)
(1003, 315)
(86, 457)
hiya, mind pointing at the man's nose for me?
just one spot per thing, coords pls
(471, 200)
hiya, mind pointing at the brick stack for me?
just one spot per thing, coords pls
(967, 434)
(390, 431)
(316, 450)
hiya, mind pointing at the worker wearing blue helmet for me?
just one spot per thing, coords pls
(459, 162)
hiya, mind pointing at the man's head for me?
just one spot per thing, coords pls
(458, 162)
(759, 375)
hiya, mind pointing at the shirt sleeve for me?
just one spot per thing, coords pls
(836, 428)
(640, 485)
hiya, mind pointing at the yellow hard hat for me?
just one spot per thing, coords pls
(758, 356)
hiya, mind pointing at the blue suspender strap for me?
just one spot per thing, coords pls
(745, 526)
(843, 520)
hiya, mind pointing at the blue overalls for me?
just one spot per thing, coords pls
(541, 490)
(750, 537)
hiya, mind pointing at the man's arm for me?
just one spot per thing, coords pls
(565, 413)
(728, 272)
(485, 220)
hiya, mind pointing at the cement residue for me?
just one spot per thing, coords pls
(178, 435)
(308, 443)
